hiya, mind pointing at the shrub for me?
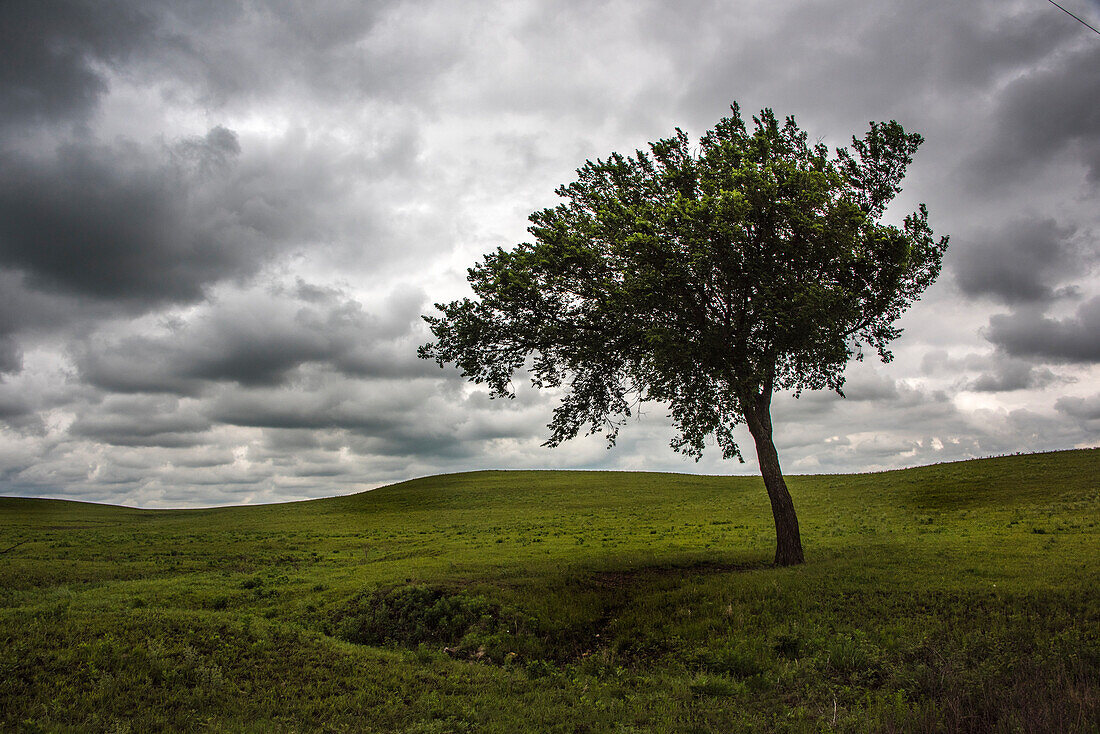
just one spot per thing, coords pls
(463, 625)
(738, 661)
(709, 685)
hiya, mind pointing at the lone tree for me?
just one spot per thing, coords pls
(705, 279)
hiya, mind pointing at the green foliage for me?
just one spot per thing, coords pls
(702, 278)
(413, 614)
(930, 606)
(460, 624)
(738, 660)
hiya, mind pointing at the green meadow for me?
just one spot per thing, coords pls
(956, 597)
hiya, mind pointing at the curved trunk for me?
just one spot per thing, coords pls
(788, 542)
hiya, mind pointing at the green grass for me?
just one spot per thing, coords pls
(956, 597)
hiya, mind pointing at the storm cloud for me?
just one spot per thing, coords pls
(1027, 333)
(125, 224)
(220, 223)
(1043, 115)
(52, 52)
(1023, 262)
(260, 337)
(1087, 408)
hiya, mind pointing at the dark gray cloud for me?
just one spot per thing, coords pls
(11, 355)
(131, 225)
(1087, 409)
(314, 410)
(13, 405)
(259, 338)
(1043, 114)
(982, 46)
(1013, 375)
(390, 424)
(142, 421)
(131, 364)
(53, 54)
(24, 311)
(1022, 262)
(91, 232)
(875, 61)
(1032, 334)
(996, 372)
(380, 418)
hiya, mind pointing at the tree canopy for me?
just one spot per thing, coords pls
(704, 278)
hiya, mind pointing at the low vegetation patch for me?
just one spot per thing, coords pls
(459, 624)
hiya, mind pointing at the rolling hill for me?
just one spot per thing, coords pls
(954, 597)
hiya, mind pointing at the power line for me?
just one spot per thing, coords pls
(1073, 16)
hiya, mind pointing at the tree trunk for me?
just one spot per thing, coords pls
(788, 542)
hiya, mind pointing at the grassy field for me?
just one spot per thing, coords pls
(956, 597)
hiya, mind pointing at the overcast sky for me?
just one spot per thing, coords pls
(221, 222)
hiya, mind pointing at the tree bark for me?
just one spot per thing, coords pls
(788, 542)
